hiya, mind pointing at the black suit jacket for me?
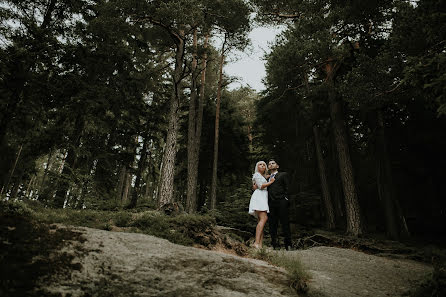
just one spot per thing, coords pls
(278, 190)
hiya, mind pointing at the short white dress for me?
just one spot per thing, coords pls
(259, 199)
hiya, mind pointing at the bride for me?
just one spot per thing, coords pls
(258, 206)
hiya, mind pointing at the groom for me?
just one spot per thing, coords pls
(278, 205)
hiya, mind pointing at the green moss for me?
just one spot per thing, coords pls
(30, 250)
(182, 229)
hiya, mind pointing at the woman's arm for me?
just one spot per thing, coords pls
(267, 184)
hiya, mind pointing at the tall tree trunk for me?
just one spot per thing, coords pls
(168, 165)
(330, 217)
(89, 173)
(121, 182)
(353, 213)
(28, 188)
(125, 192)
(69, 164)
(395, 221)
(217, 124)
(6, 185)
(336, 188)
(328, 202)
(141, 166)
(194, 128)
(45, 172)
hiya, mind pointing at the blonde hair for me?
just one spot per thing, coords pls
(256, 169)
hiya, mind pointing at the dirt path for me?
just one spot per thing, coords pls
(132, 264)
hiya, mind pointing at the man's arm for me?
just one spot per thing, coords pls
(286, 184)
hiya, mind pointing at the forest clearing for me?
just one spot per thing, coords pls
(128, 136)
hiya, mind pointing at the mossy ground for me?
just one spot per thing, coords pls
(30, 251)
(30, 240)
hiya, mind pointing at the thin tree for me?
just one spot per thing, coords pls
(217, 126)
(195, 124)
(353, 214)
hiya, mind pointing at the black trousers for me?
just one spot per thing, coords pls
(279, 211)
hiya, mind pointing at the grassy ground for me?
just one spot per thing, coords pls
(31, 243)
(29, 251)
(182, 229)
(298, 276)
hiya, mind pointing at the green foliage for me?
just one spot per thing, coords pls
(388, 60)
(182, 229)
(297, 274)
(122, 218)
(31, 250)
(233, 212)
(15, 209)
(299, 277)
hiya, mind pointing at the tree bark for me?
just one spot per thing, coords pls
(353, 214)
(168, 164)
(217, 124)
(31, 182)
(330, 216)
(195, 127)
(141, 166)
(121, 181)
(125, 193)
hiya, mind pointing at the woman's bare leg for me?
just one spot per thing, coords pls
(262, 216)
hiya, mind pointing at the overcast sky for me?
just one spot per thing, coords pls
(249, 65)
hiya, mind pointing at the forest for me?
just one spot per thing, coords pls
(125, 105)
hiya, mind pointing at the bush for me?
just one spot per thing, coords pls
(182, 229)
(122, 219)
(234, 212)
(15, 209)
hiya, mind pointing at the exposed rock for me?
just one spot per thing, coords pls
(132, 264)
(338, 272)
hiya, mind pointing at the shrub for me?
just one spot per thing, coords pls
(15, 209)
(122, 219)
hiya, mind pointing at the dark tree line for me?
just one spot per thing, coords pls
(120, 103)
(356, 95)
(95, 97)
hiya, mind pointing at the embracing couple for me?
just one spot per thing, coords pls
(269, 202)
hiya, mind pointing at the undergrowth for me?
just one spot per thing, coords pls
(297, 275)
(185, 229)
(30, 251)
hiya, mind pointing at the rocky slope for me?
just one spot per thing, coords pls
(132, 264)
